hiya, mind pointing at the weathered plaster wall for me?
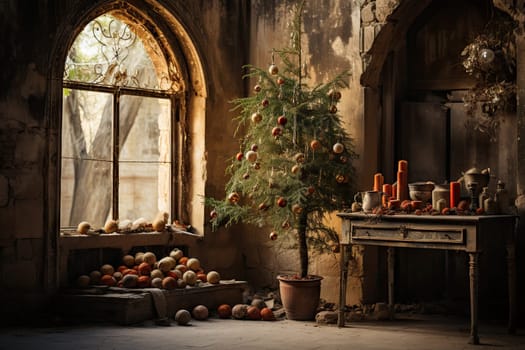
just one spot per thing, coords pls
(29, 154)
(330, 45)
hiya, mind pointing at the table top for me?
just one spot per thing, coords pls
(426, 217)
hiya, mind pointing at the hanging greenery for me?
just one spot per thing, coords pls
(491, 59)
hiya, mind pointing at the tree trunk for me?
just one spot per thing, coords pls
(303, 247)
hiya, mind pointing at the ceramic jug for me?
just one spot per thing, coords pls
(369, 200)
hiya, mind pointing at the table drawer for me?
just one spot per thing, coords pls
(407, 233)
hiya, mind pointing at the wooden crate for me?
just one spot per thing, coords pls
(129, 306)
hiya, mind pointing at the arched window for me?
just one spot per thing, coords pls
(120, 143)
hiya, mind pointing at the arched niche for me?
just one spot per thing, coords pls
(171, 25)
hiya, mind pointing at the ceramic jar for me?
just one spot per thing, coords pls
(440, 192)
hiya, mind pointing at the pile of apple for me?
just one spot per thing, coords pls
(144, 271)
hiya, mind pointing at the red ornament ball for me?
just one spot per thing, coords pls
(281, 201)
(224, 311)
(239, 156)
(282, 120)
(277, 131)
(267, 314)
(257, 88)
(253, 313)
(273, 235)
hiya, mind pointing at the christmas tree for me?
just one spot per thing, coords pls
(294, 165)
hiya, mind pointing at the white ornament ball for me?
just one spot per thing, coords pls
(182, 317)
(190, 277)
(251, 156)
(213, 277)
(193, 264)
(83, 227)
(338, 148)
(176, 254)
(200, 312)
(156, 282)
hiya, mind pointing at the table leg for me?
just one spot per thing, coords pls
(342, 285)
(511, 271)
(391, 266)
(473, 275)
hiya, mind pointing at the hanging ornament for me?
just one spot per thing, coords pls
(340, 178)
(273, 69)
(338, 148)
(297, 209)
(333, 109)
(299, 158)
(486, 56)
(257, 165)
(254, 147)
(281, 201)
(280, 80)
(239, 156)
(213, 214)
(310, 190)
(315, 145)
(343, 159)
(233, 197)
(257, 117)
(277, 131)
(251, 156)
(263, 206)
(273, 235)
(295, 169)
(246, 176)
(265, 102)
(257, 88)
(282, 120)
(286, 224)
(334, 95)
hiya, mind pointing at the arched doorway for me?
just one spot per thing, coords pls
(415, 82)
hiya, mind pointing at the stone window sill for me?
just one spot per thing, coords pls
(126, 241)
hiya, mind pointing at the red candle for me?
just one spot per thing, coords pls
(387, 192)
(378, 182)
(402, 165)
(454, 193)
(402, 186)
(394, 191)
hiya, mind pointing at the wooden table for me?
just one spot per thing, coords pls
(471, 234)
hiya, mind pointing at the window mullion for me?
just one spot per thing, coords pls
(116, 151)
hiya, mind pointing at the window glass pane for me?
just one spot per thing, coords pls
(87, 138)
(145, 157)
(111, 52)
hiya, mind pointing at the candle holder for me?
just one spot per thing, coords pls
(472, 187)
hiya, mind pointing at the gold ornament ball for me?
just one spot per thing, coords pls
(315, 145)
(340, 178)
(299, 157)
(256, 117)
(297, 209)
(257, 88)
(233, 197)
(295, 169)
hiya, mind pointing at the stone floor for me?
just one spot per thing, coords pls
(405, 332)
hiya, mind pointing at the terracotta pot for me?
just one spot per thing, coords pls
(300, 297)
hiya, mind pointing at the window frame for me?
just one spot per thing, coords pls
(176, 100)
